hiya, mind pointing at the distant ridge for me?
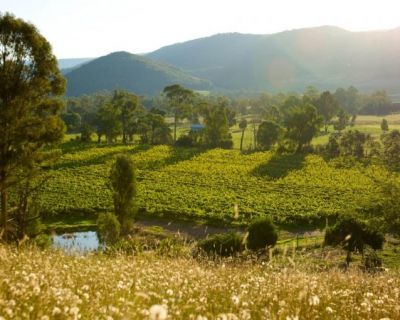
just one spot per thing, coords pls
(327, 57)
(123, 70)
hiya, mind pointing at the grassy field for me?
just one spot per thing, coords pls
(51, 285)
(199, 184)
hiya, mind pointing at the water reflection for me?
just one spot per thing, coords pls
(77, 241)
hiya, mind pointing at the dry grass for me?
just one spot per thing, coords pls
(38, 284)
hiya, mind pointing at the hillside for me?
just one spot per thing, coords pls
(72, 63)
(327, 57)
(127, 71)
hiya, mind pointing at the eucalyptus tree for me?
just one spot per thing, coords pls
(179, 102)
(30, 88)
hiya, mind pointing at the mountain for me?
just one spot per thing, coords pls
(123, 70)
(326, 57)
(72, 63)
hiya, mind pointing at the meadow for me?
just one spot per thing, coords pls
(47, 284)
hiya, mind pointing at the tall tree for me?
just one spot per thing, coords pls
(302, 124)
(108, 122)
(327, 107)
(242, 126)
(216, 133)
(179, 102)
(342, 121)
(268, 134)
(126, 103)
(30, 86)
(384, 125)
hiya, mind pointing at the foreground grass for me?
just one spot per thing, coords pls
(51, 285)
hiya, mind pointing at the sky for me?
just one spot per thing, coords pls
(92, 28)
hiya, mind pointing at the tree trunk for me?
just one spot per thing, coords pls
(4, 209)
(241, 140)
(326, 126)
(254, 135)
(175, 127)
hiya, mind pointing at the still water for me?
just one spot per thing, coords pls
(77, 241)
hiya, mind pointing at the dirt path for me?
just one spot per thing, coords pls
(191, 230)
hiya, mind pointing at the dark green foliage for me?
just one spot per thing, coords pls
(185, 141)
(216, 132)
(302, 124)
(352, 143)
(384, 125)
(179, 102)
(108, 228)
(86, 133)
(108, 122)
(342, 121)
(268, 134)
(30, 87)
(349, 99)
(262, 233)
(153, 129)
(72, 121)
(224, 244)
(377, 103)
(327, 107)
(353, 235)
(332, 148)
(391, 150)
(123, 186)
(125, 104)
(123, 70)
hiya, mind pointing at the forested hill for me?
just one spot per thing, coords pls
(326, 57)
(122, 70)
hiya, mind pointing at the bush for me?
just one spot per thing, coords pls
(223, 244)
(108, 227)
(262, 233)
(185, 141)
(226, 144)
(353, 235)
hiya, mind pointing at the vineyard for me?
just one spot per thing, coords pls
(191, 183)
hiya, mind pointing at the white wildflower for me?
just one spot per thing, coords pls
(56, 311)
(313, 301)
(329, 310)
(235, 299)
(158, 312)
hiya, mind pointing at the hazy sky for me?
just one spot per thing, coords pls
(90, 28)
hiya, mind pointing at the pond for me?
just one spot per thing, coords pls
(77, 241)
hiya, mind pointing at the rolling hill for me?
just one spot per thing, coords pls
(123, 70)
(327, 57)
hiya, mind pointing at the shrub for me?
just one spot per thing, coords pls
(226, 144)
(108, 228)
(184, 141)
(262, 233)
(123, 186)
(223, 244)
(353, 235)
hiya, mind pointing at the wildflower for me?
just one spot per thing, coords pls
(329, 310)
(170, 292)
(235, 299)
(158, 312)
(313, 301)
(56, 311)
